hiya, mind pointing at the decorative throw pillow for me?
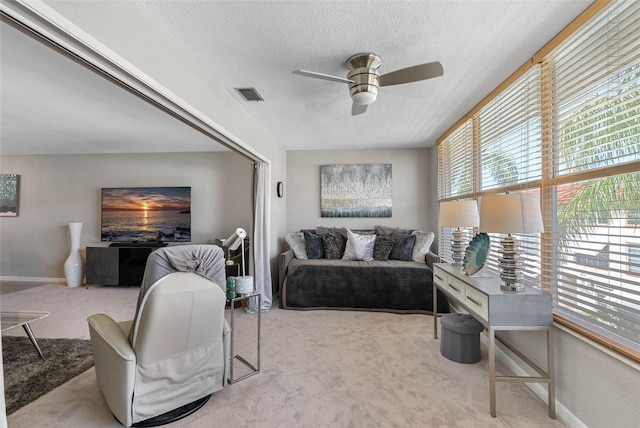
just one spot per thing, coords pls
(334, 245)
(403, 250)
(296, 242)
(313, 245)
(320, 230)
(359, 247)
(386, 230)
(422, 245)
(383, 246)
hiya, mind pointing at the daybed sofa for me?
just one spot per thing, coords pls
(376, 270)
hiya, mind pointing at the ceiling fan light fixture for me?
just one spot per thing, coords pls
(364, 98)
(365, 80)
(364, 89)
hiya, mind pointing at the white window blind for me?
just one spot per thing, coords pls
(593, 189)
(455, 163)
(634, 258)
(455, 176)
(510, 134)
(593, 85)
(510, 146)
(594, 274)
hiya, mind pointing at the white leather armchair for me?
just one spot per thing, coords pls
(178, 352)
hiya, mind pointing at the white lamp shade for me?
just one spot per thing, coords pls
(459, 214)
(511, 213)
(234, 241)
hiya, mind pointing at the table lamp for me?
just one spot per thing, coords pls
(244, 283)
(511, 213)
(458, 214)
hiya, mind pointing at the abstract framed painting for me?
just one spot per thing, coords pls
(355, 190)
(9, 192)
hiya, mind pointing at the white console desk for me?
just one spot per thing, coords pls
(497, 310)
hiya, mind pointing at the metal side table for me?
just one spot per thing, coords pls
(255, 369)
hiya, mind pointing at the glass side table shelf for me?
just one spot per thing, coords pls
(255, 369)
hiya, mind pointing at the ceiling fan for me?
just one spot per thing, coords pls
(364, 79)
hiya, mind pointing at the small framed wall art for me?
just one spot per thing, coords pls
(9, 192)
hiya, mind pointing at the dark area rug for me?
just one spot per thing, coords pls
(27, 376)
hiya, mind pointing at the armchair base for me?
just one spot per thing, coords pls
(174, 415)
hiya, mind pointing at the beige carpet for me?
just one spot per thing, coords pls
(319, 369)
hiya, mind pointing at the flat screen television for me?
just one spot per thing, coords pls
(146, 214)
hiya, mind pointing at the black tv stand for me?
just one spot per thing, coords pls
(155, 244)
(121, 263)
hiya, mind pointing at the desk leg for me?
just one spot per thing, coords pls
(552, 375)
(492, 372)
(27, 330)
(434, 310)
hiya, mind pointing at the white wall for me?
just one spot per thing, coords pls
(600, 389)
(410, 188)
(594, 386)
(56, 190)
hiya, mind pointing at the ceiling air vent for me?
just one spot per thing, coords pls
(250, 94)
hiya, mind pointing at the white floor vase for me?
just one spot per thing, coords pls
(73, 264)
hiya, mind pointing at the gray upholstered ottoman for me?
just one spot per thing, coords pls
(460, 340)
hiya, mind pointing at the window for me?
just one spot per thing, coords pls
(593, 181)
(568, 129)
(589, 248)
(510, 135)
(455, 163)
(455, 166)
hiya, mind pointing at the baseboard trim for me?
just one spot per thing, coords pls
(505, 355)
(32, 279)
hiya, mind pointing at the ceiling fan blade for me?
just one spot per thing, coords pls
(322, 76)
(412, 74)
(357, 109)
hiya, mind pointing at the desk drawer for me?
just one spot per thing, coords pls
(477, 302)
(440, 278)
(456, 288)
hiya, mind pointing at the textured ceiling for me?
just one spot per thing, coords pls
(259, 43)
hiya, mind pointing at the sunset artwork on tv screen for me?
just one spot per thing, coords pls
(146, 214)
